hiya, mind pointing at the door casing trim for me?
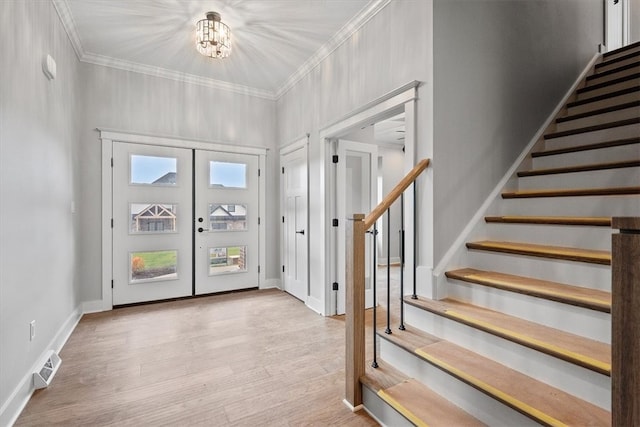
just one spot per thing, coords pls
(109, 136)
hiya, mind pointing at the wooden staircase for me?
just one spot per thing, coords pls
(523, 336)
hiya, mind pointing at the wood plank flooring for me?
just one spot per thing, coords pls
(257, 358)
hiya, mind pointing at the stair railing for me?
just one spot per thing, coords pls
(625, 318)
(355, 283)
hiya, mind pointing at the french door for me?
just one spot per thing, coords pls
(185, 222)
(227, 220)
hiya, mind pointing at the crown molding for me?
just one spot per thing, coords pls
(165, 73)
(368, 12)
(64, 12)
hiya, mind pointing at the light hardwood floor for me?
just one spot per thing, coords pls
(257, 358)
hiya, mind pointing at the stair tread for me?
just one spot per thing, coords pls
(572, 348)
(599, 111)
(604, 96)
(413, 400)
(581, 168)
(568, 192)
(546, 251)
(561, 292)
(621, 49)
(622, 58)
(600, 221)
(525, 394)
(587, 147)
(623, 79)
(617, 123)
(601, 74)
(533, 398)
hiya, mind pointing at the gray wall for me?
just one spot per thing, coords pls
(500, 67)
(39, 181)
(134, 102)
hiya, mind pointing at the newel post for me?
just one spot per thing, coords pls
(625, 321)
(355, 351)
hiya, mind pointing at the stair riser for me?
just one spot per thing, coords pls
(569, 206)
(558, 235)
(622, 177)
(474, 402)
(632, 60)
(615, 75)
(382, 411)
(622, 53)
(570, 272)
(607, 89)
(576, 320)
(602, 155)
(579, 381)
(597, 105)
(603, 135)
(613, 116)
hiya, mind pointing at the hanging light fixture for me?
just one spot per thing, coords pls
(213, 37)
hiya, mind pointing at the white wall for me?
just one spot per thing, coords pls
(39, 181)
(134, 102)
(500, 67)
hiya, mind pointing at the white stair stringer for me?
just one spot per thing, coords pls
(581, 321)
(603, 178)
(576, 380)
(600, 155)
(472, 401)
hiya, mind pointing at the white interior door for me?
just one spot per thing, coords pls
(356, 176)
(227, 220)
(152, 211)
(294, 220)
(617, 24)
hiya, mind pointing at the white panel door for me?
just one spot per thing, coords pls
(356, 175)
(296, 233)
(152, 228)
(227, 221)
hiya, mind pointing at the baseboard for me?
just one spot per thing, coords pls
(16, 402)
(462, 238)
(315, 305)
(271, 283)
(94, 306)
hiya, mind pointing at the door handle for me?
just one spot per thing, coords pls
(300, 232)
(200, 229)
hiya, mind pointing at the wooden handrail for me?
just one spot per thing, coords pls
(355, 282)
(394, 194)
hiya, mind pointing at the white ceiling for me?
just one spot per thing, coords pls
(275, 42)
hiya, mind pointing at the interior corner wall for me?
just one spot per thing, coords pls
(500, 68)
(634, 21)
(138, 103)
(39, 186)
(389, 51)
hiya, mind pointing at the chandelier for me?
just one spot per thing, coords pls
(213, 37)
